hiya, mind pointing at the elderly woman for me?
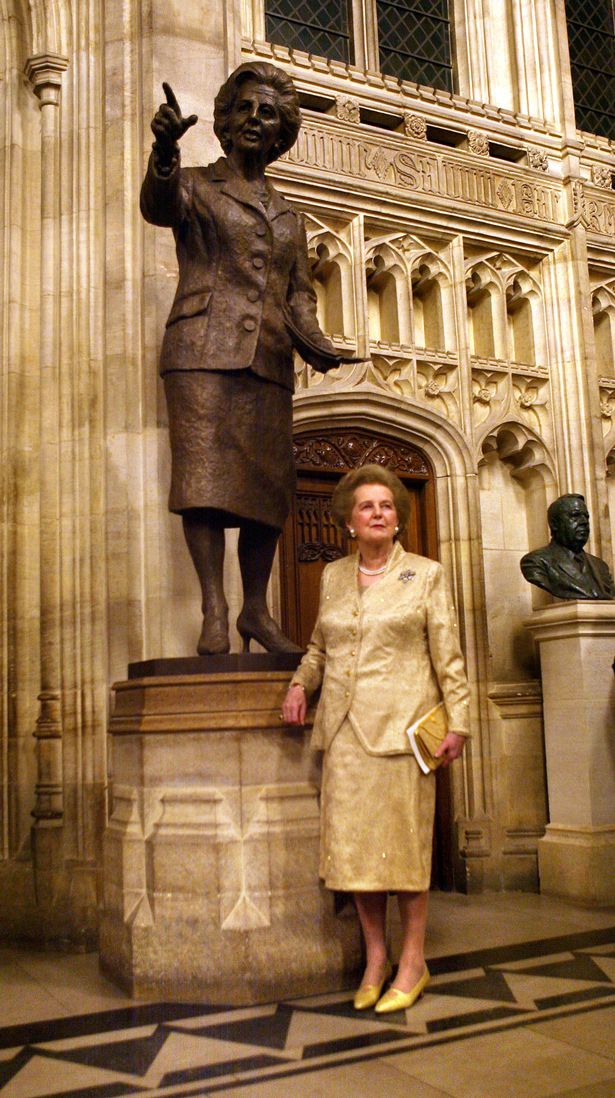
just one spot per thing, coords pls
(244, 299)
(386, 651)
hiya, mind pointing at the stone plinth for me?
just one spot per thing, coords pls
(211, 885)
(576, 857)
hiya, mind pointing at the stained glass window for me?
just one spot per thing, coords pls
(591, 36)
(315, 26)
(415, 41)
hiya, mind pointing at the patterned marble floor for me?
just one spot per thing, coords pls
(521, 1005)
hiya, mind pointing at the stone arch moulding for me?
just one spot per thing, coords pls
(331, 267)
(518, 447)
(387, 278)
(458, 517)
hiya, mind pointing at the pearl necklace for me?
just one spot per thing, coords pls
(372, 571)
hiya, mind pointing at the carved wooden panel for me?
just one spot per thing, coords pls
(341, 451)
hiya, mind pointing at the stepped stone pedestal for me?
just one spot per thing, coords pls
(210, 866)
(576, 857)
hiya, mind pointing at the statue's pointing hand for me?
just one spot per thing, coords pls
(169, 125)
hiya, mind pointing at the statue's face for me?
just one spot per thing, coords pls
(254, 124)
(572, 527)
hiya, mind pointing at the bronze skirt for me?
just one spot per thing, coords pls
(231, 444)
(377, 814)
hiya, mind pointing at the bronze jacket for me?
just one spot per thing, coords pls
(241, 268)
(385, 656)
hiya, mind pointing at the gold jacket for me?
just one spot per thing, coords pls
(384, 655)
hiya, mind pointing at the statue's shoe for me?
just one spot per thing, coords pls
(394, 999)
(263, 629)
(214, 640)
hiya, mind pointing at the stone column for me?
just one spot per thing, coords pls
(576, 857)
(45, 74)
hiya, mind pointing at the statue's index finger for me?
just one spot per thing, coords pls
(170, 97)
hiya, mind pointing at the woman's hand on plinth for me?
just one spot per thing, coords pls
(294, 706)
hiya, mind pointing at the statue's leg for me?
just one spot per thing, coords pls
(205, 538)
(256, 550)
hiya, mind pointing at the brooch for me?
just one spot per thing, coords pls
(407, 575)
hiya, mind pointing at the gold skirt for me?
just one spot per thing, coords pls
(377, 814)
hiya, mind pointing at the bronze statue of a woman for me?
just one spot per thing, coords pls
(243, 301)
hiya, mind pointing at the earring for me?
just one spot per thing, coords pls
(351, 532)
(397, 529)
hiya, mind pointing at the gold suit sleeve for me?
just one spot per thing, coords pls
(310, 671)
(446, 656)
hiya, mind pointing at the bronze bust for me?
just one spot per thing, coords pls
(562, 567)
(244, 300)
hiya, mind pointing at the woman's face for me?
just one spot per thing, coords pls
(254, 123)
(373, 517)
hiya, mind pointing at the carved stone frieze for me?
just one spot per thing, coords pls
(478, 142)
(322, 146)
(602, 176)
(437, 384)
(530, 396)
(347, 108)
(607, 412)
(597, 214)
(488, 393)
(415, 126)
(537, 159)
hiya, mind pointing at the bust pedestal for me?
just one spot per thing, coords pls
(576, 857)
(210, 861)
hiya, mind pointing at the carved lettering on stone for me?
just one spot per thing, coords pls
(430, 172)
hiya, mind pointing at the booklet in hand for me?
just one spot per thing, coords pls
(426, 735)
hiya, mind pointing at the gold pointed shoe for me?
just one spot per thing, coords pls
(394, 999)
(367, 995)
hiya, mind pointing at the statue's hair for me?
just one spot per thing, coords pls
(558, 506)
(270, 77)
(343, 494)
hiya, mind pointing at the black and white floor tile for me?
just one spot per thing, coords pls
(180, 1050)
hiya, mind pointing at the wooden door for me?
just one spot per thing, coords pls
(310, 540)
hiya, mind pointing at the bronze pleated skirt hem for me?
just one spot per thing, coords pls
(377, 814)
(231, 444)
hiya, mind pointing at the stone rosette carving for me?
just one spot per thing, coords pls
(478, 142)
(347, 108)
(537, 159)
(432, 389)
(483, 396)
(602, 176)
(415, 126)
